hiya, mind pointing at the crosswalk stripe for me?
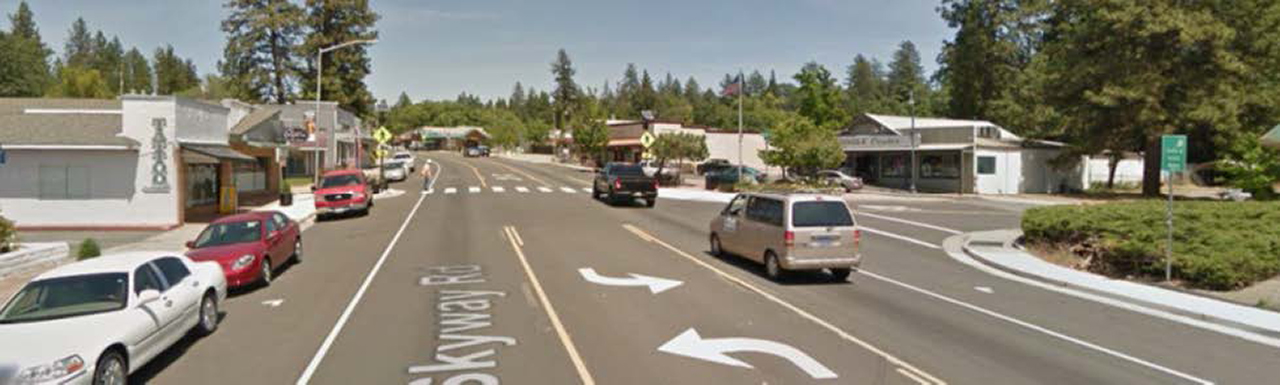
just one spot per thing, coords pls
(430, 191)
(586, 189)
(522, 189)
(499, 189)
(473, 189)
(450, 190)
(568, 190)
(544, 189)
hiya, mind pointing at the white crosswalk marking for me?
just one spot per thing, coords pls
(568, 190)
(429, 192)
(544, 189)
(522, 189)
(499, 189)
(586, 189)
(473, 189)
(450, 190)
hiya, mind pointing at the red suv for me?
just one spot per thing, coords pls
(341, 192)
(249, 246)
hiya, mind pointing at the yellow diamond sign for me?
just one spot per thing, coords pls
(646, 139)
(382, 135)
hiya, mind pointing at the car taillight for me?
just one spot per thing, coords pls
(857, 237)
(789, 238)
(655, 185)
(617, 184)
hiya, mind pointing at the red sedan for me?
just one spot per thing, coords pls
(249, 246)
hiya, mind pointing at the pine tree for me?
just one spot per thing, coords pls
(992, 45)
(646, 97)
(137, 73)
(756, 84)
(906, 78)
(864, 87)
(78, 51)
(566, 93)
(108, 59)
(330, 23)
(258, 59)
(25, 70)
(173, 74)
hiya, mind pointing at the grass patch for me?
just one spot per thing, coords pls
(299, 181)
(1217, 245)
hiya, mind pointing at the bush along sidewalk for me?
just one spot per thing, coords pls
(89, 249)
(1217, 245)
(8, 236)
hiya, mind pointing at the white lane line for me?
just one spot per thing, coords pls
(913, 223)
(355, 300)
(795, 309)
(473, 189)
(544, 189)
(586, 190)
(522, 189)
(498, 189)
(429, 191)
(568, 190)
(451, 190)
(1038, 328)
(984, 289)
(583, 374)
(900, 237)
(912, 376)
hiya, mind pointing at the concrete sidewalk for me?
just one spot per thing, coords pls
(997, 249)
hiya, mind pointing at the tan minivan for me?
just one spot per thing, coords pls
(790, 232)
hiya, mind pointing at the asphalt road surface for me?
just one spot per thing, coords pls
(508, 272)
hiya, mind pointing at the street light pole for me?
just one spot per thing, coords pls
(319, 72)
(911, 99)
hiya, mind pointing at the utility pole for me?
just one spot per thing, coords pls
(741, 90)
(911, 100)
(319, 73)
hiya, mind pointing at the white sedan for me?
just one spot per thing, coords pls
(99, 320)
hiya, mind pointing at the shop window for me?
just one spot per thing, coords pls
(251, 176)
(894, 166)
(986, 165)
(202, 184)
(941, 166)
(64, 182)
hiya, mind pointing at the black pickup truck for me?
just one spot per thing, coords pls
(625, 182)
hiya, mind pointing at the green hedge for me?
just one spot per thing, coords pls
(8, 235)
(1217, 245)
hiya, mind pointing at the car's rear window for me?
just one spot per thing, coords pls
(626, 170)
(820, 214)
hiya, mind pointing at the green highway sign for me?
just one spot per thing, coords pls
(1173, 154)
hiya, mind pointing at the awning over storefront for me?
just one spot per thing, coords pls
(624, 142)
(211, 153)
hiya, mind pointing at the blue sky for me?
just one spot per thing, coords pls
(439, 48)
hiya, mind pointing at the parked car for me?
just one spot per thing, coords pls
(341, 192)
(837, 178)
(789, 232)
(395, 171)
(711, 165)
(671, 169)
(99, 320)
(729, 176)
(618, 182)
(484, 150)
(408, 159)
(472, 152)
(373, 174)
(250, 246)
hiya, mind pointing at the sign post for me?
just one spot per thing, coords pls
(1173, 159)
(382, 135)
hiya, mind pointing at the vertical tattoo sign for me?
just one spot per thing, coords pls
(159, 149)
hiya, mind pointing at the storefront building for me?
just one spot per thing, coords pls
(951, 156)
(138, 162)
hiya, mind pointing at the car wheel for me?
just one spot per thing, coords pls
(840, 274)
(651, 202)
(111, 369)
(297, 250)
(264, 273)
(772, 267)
(208, 315)
(716, 249)
(595, 192)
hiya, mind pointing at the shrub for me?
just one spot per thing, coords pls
(285, 186)
(1217, 245)
(89, 249)
(8, 235)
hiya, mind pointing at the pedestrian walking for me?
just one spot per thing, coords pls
(426, 176)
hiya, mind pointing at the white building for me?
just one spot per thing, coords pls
(960, 156)
(624, 141)
(139, 162)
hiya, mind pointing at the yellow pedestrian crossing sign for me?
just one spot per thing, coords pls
(646, 139)
(382, 135)
(380, 153)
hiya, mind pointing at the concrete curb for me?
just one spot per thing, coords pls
(1119, 296)
(33, 254)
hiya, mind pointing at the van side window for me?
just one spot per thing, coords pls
(774, 212)
(736, 205)
(765, 210)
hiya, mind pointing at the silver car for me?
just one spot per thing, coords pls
(395, 171)
(837, 178)
(790, 232)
